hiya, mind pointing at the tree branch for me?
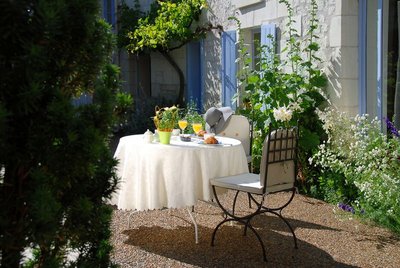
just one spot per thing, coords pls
(198, 32)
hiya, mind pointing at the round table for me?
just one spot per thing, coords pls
(156, 176)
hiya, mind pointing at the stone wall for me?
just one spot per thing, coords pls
(218, 14)
(164, 79)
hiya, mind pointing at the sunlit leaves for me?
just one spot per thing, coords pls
(170, 26)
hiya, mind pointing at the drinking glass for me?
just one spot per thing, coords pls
(182, 125)
(197, 127)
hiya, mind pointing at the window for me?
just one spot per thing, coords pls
(264, 36)
(256, 48)
(379, 58)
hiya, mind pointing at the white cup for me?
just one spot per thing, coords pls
(176, 132)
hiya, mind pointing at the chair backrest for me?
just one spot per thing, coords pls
(279, 160)
(238, 127)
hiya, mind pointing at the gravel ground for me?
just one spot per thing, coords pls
(327, 237)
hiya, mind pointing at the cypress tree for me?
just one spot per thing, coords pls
(56, 170)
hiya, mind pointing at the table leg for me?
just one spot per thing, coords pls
(196, 235)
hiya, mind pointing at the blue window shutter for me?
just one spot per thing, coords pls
(229, 85)
(109, 11)
(268, 37)
(194, 73)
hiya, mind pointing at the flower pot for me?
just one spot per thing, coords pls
(164, 136)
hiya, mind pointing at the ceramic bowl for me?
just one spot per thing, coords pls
(185, 137)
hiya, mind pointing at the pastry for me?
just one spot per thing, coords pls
(201, 133)
(211, 140)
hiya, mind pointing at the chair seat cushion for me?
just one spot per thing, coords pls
(246, 182)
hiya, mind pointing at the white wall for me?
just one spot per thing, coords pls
(342, 64)
(338, 32)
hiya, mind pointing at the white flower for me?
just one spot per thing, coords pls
(295, 106)
(282, 114)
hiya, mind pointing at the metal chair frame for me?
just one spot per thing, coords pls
(284, 153)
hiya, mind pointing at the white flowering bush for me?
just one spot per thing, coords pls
(358, 155)
(282, 114)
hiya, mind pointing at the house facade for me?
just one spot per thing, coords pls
(359, 48)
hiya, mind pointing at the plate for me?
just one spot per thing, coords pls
(216, 144)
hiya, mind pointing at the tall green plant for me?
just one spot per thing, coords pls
(56, 170)
(288, 84)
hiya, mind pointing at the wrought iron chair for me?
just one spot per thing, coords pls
(277, 174)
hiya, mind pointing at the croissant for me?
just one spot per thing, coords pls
(211, 140)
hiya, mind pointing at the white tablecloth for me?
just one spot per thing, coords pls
(173, 176)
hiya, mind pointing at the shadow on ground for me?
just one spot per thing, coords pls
(232, 248)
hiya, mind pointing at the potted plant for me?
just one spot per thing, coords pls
(165, 121)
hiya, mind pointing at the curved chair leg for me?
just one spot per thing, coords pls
(215, 232)
(245, 220)
(274, 211)
(248, 196)
(284, 205)
(247, 225)
(259, 240)
(234, 202)
(251, 198)
(288, 225)
(216, 229)
(222, 222)
(227, 213)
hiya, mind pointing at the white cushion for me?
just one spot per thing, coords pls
(281, 173)
(238, 127)
(247, 182)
